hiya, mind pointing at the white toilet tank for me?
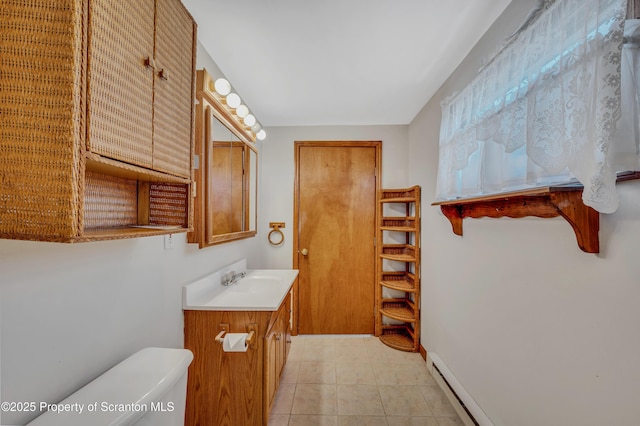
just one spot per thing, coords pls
(148, 388)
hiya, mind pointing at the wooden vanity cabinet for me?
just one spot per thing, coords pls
(235, 388)
(97, 119)
(277, 345)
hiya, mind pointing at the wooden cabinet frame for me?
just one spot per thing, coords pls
(209, 105)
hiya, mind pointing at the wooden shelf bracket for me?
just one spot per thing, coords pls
(564, 201)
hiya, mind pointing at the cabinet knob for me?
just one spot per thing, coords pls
(149, 62)
(163, 74)
(304, 252)
(278, 336)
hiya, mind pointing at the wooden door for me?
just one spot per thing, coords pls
(336, 185)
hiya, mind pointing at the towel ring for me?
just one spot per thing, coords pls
(277, 242)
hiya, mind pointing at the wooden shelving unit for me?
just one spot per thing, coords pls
(398, 278)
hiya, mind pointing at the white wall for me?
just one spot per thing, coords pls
(68, 312)
(277, 173)
(537, 331)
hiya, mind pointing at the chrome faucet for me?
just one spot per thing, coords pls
(231, 277)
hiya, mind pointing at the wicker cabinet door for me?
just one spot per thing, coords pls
(173, 101)
(120, 83)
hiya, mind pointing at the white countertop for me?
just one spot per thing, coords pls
(258, 290)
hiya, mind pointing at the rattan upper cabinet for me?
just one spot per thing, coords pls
(96, 119)
(140, 84)
(398, 289)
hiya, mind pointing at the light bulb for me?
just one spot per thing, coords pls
(261, 135)
(222, 86)
(233, 100)
(242, 111)
(256, 128)
(249, 120)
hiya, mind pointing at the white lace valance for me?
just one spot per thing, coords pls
(544, 110)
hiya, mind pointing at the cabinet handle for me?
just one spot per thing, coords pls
(163, 74)
(149, 62)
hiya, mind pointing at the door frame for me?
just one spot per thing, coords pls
(378, 179)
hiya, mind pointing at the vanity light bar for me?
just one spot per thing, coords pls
(238, 110)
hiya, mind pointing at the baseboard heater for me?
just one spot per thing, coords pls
(469, 411)
(460, 401)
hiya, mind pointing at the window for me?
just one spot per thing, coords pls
(547, 107)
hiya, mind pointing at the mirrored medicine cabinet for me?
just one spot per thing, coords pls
(225, 173)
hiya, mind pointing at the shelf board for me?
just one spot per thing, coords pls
(398, 200)
(398, 309)
(105, 234)
(399, 252)
(399, 280)
(402, 195)
(550, 201)
(126, 232)
(399, 337)
(546, 202)
(398, 257)
(398, 228)
(400, 285)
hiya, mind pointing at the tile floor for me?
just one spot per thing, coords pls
(340, 380)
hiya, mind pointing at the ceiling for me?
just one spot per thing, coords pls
(337, 62)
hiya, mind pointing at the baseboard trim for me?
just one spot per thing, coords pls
(423, 352)
(469, 411)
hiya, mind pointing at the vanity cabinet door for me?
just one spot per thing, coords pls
(276, 350)
(281, 346)
(271, 375)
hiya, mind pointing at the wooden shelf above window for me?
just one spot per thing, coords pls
(565, 201)
(551, 201)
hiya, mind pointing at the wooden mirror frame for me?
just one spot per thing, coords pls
(209, 103)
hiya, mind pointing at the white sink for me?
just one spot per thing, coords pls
(258, 290)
